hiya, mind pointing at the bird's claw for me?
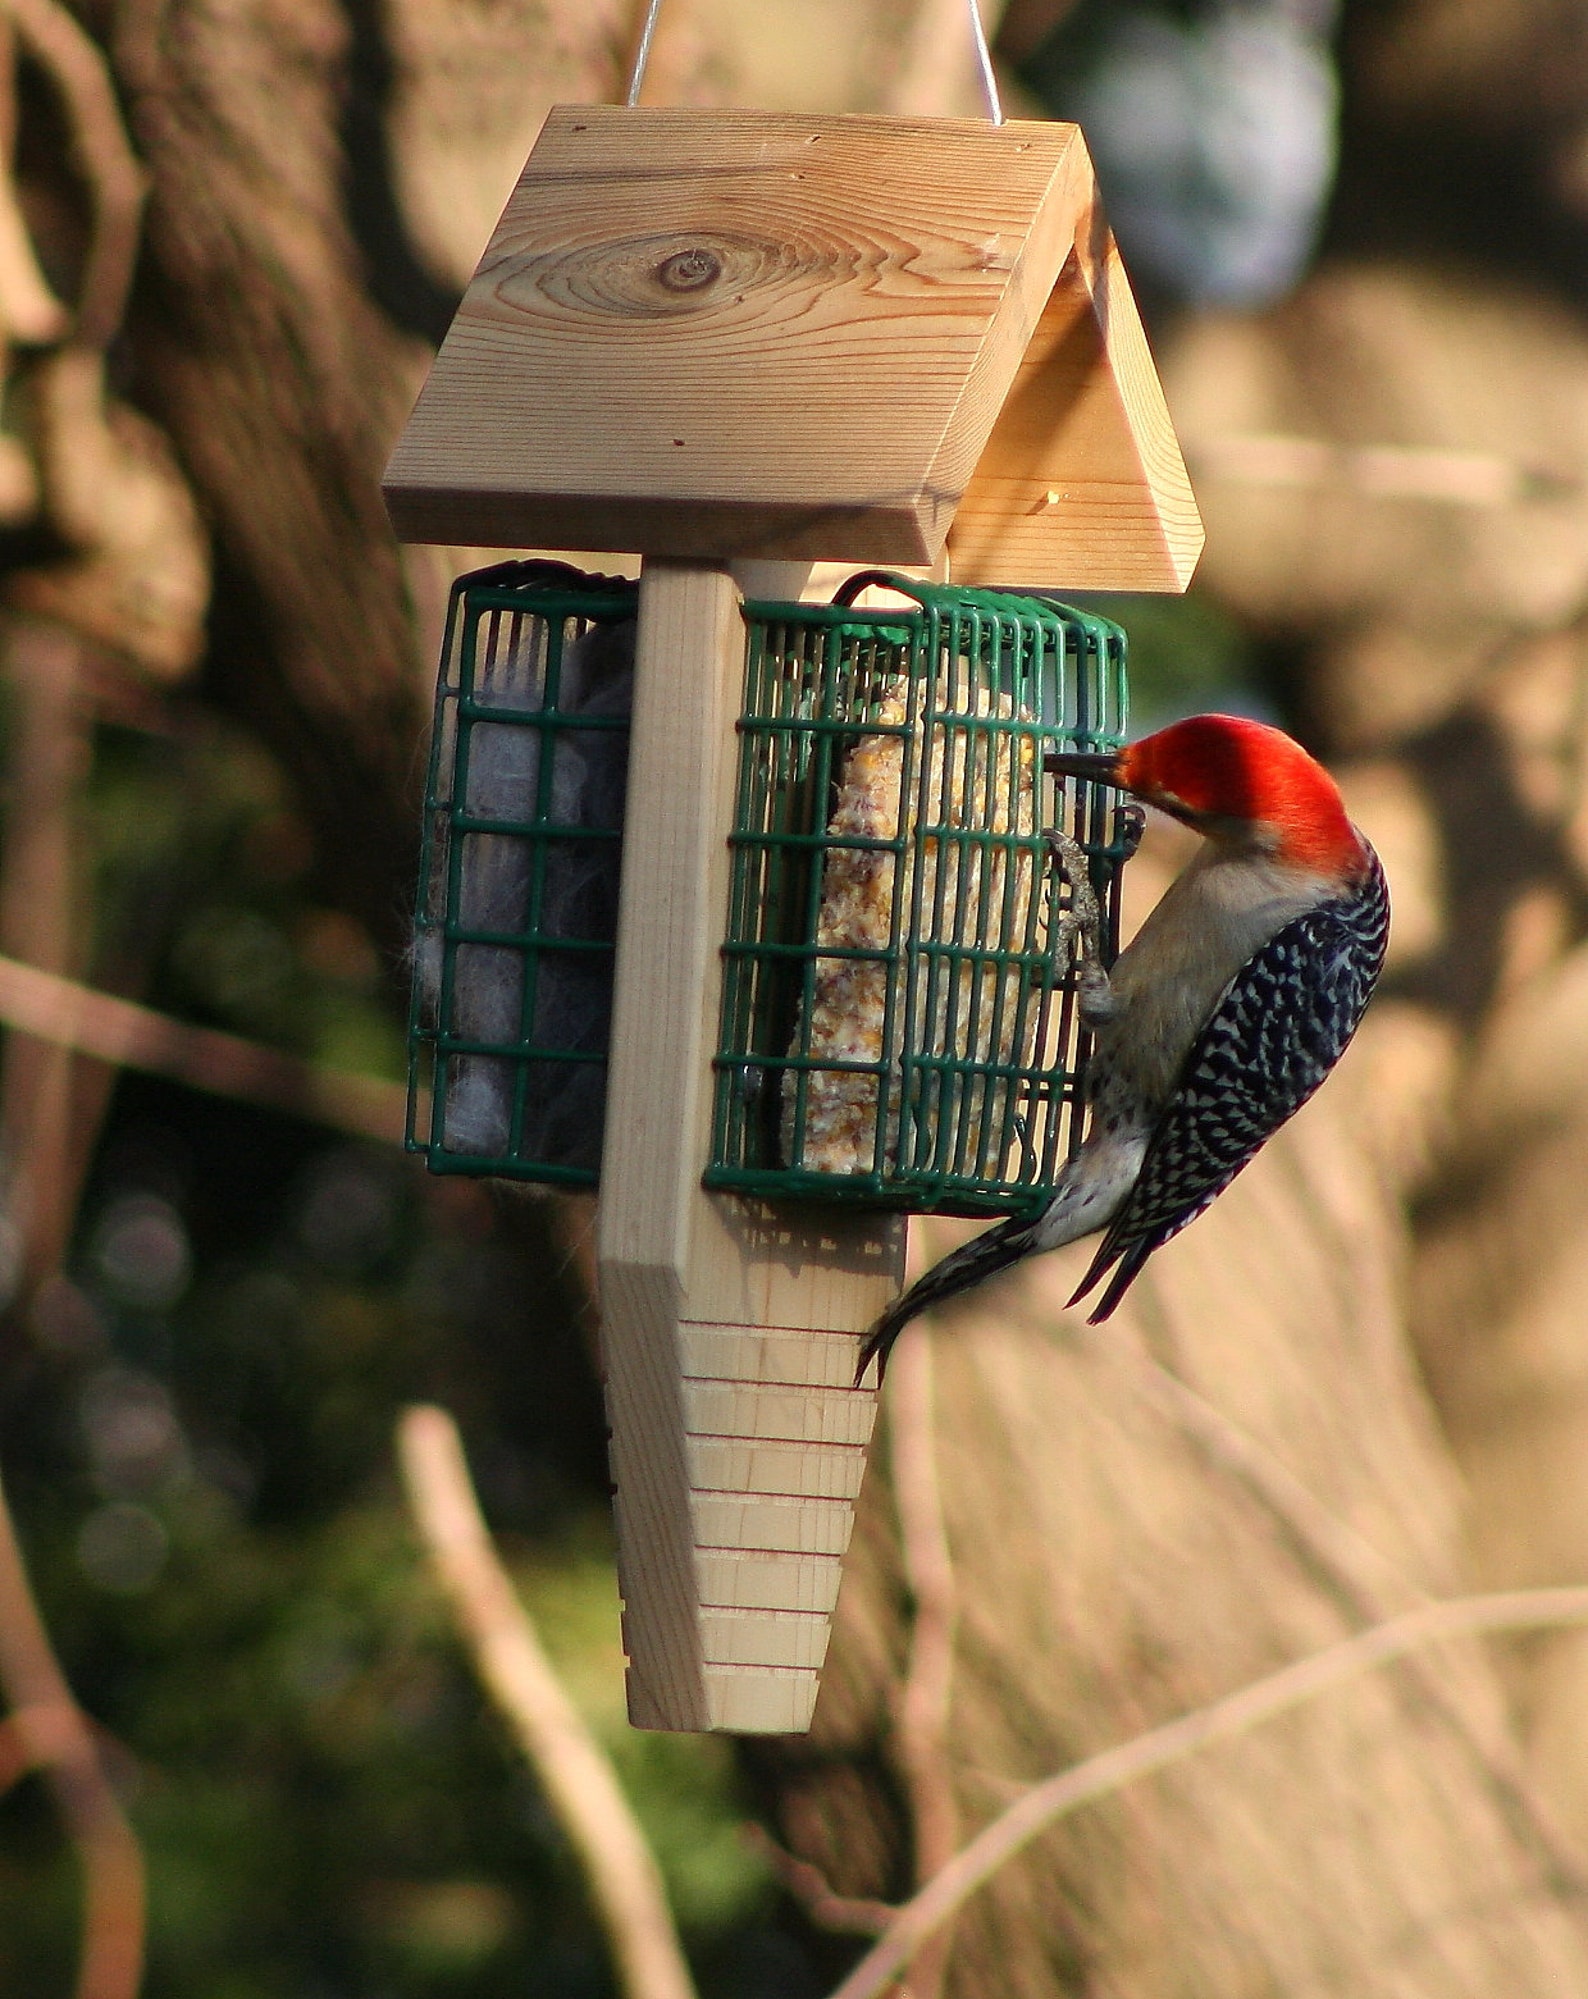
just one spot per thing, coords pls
(1084, 918)
(1083, 921)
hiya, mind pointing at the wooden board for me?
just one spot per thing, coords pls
(728, 1330)
(1081, 484)
(738, 334)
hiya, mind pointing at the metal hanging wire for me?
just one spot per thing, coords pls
(984, 64)
(642, 54)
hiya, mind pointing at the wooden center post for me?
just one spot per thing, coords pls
(727, 1328)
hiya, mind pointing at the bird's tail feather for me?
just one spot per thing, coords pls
(993, 1250)
(1129, 1260)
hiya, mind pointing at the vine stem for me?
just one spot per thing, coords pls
(625, 1883)
(47, 1731)
(1101, 1775)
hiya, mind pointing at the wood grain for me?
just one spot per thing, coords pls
(757, 1700)
(734, 334)
(1082, 484)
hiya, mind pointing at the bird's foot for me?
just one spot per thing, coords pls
(1083, 922)
(1083, 919)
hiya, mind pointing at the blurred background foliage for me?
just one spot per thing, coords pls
(200, 1458)
(196, 1422)
(197, 1392)
(198, 1406)
(197, 1443)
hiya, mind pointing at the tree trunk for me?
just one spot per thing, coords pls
(259, 347)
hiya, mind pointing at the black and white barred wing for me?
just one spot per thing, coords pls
(1281, 1026)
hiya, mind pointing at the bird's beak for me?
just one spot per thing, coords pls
(1091, 766)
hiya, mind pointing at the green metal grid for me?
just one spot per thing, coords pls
(515, 926)
(970, 1105)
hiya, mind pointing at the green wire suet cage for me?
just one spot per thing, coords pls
(898, 1025)
(517, 908)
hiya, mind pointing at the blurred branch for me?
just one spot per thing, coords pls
(848, 1915)
(38, 921)
(926, 1696)
(48, 1731)
(1360, 1577)
(29, 311)
(105, 157)
(116, 1030)
(1372, 1583)
(1379, 471)
(28, 1738)
(1101, 1775)
(625, 1885)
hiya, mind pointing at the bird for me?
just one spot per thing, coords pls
(1217, 1022)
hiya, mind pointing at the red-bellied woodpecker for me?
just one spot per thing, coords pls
(1218, 1021)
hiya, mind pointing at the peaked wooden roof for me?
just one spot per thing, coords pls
(734, 333)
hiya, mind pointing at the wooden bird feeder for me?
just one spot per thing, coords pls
(721, 338)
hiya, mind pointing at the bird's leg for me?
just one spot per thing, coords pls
(1083, 918)
(1083, 922)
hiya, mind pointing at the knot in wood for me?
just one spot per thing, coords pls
(690, 270)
